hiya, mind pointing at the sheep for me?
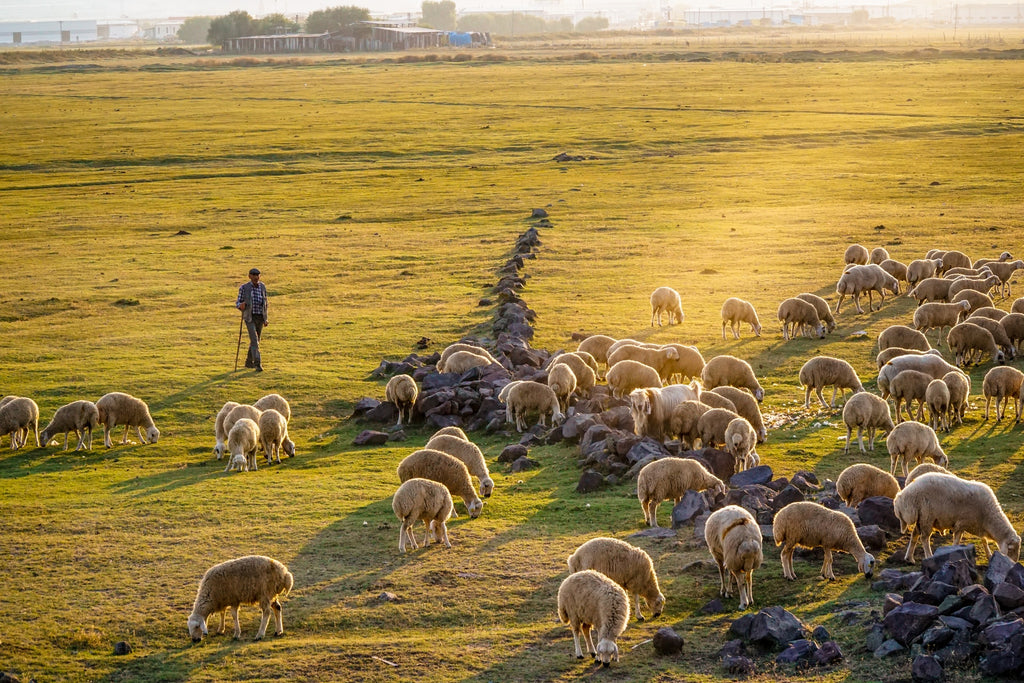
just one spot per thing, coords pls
(470, 454)
(955, 259)
(630, 342)
(428, 463)
(80, 417)
(585, 357)
(967, 339)
(1005, 256)
(799, 315)
(17, 416)
(659, 359)
(626, 565)
(244, 439)
(627, 375)
(688, 365)
(668, 479)
(922, 269)
(590, 601)
(683, 424)
(250, 580)
(745, 405)
(913, 440)
(712, 425)
(954, 273)
(562, 381)
(903, 337)
(811, 525)
(1003, 384)
(651, 407)
(219, 430)
(866, 412)
(927, 363)
(861, 481)
(402, 391)
(947, 502)
(274, 435)
(731, 371)
(736, 311)
(975, 298)
(666, 300)
(935, 315)
(895, 268)
(990, 312)
(959, 386)
(597, 346)
(856, 254)
(1004, 271)
(1013, 325)
(277, 402)
(982, 285)
(824, 371)
(878, 254)
(887, 355)
(117, 408)
(909, 386)
(923, 468)
(237, 463)
(734, 541)
(463, 361)
(865, 279)
(937, 398)
(822, 308)
(1017, 306)
(932, 289)
(741, 442)
(422, 499)
(713, 400)
(998, 332)
(528, 397)
(452, 349)
(237, 413)
(585, 376)
(934, 253)
(451, 430)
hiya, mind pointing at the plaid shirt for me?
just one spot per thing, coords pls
(259, 301)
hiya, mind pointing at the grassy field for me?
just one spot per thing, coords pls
(378, 199)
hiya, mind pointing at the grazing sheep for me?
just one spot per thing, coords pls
(451, 430)
(913, 440)
(741, 442)
(990, 312)
(974, 298)
(909, 386)
(586, 358)
(955, 259)
(866, 412)
(597, 346)
(666, 300)
(861, 481)
(731, 371)
(745, 405)
(532, 397)
(630, 342)
(999, 336)
(627, 375)
(422, 499)
(878, 255)
(1017, 306)
(983, 285)
(736, 311)
(937, 398)
(626, 565)
(660, 359)
(1002, 384)
(811, 525)
(446, 469)
(712, 425)
(799, 315)
(822, 308)
(117, 408)
(922, 269)
(935, 315)
(1004, 271)
(503, 395)
(903, 337)
(470, 454)
(856, 254)
(931, 289)
(403, 392)
(1005, 256)
(244, 440)
(713, 400)
(923, 468)
(1013, 325)
(670, 478)
(956, 273)
(586, 376)
(562, 381)
(927, 363)
(274, 435)
(590, 601)
(17, 416)
(220, 431)
(968, 340)
(685, 420)
(463, 361)
(734, 541)
(934, 253)
(651, 407)
(277, 402)
(947, 502)
(688, 365)
(250, 580)
(237, 463)
(895, 268)
(959, 386)
(887, 355)
(452, 349)
(80, 417)
(865, 279)
(824, 371)
(237, 413)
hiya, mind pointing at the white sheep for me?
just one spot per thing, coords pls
(1013, 325)
(999, 335)
(936, 501)
(237, 463)
(118, 408)
(869, 413)
(666, 300)
(713, 400)
(597, 346)
(470, 454)
(626, 565)
(931, 289)
(1017, 306)
(562, 381)
(445, 469)
(670, 478)
(736, 311)
(685, 422)
(237, 413)
(1004, 271)
(937, 315)
(969, 342)
(927, 363)
(888, 354)
(220, 432)
(974, 298)
(422, 499)
(955, 259)
(532, 397)
(250, 580)
(903, 337)
(688, 365)
(651, 408)
(937, 398)
(811, 525)
(403, 391)
(826, 371)
(879, 254)
(712, 425)
(731, 371)
(923, 468)
(585, 375)
(734, 541)
(990, 312)
(861, 481)
(274, 436)
(1005, 256)
(856, 254)
(627, 375)
(922, 269)
(913, 440)
(744, 405)
(463, 361)
(959, 386)
(277, 402)
(741, 442)
(80, 417)
(895, 268)
(822, 308)
(588, 601)
(909, 386)
(451, 430)
(20, 415)
(661, 359)
(865, 280)
(983, 285)
(451, 349)
(1002, 384)
(244, 439)
(799, 315)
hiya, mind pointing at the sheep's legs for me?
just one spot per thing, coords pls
(826, 567)
(821, 398)
(588, 635)
(787, 562)
(278, 617)
(652, 513)
(124, 439)
(639, 614)
(440, 530)
(223, 621)
(723, 587)
(238, 626)
(264, 620)
(576, 640)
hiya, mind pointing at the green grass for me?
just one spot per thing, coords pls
(378, 199)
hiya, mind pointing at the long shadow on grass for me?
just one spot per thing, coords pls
(176, 664)
(28, 462)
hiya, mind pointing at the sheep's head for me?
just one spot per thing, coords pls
(1000, 357)
(152, 434)
(658, 606)
(606, 651)
(820, 330)
(486, 487)
(867, 565)
(218, 450)
(288, 446)
(475, 507)
(197, 627)
(1012, 549)
(759, 394)
(942, 460)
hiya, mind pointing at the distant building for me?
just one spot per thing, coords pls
(706, 18)
(118, 30)
(989, 15)
(162, 30)
(72, 31)
(278, 44)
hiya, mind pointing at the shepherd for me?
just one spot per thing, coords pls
(253, 302)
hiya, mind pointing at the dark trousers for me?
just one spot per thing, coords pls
(255, 327)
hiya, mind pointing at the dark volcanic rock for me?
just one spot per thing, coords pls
(590, 481)
(798, 651)
(738, 666)
(999, 567)
(774, 628)
(691, 505)
(367, 404)
(872, 536)
(878, 510)
(370, 437)
(888, 649)
(1008, 596)
(667, 641)
(524, 463)
(512, 453)
(790, 494)
(909, 620)
(762, 474)
(951, 553)
(828, 654)
(926, 669)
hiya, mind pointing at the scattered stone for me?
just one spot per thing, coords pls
(762, 474)
(878, 510)
(667, 641)
(872, 536)
(798, 651)
(713, 607)
(775, 627)
(690, 506)
(949, 553)
(790, 494)
(888, 648)
(821, 634)
(738, 666)
(387, 596)
(370, 437)
(512, 453)
(926, 669)
(523, 464)
(906, 622)
(828, 654)
(122, 648)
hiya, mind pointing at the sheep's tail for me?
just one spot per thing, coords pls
(735, 523)
(101, 414)
(289, 581)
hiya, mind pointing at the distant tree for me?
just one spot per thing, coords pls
(275, 24)
(512, 23)
(590, 24)
(439, 15)
(195, 30)
(234, 25)
(335, 18)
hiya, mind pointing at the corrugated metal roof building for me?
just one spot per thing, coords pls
(270, 45)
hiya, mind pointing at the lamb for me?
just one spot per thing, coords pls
(403, 392)
(955, 259)
(967, 339)
(250, 580)
(17, 416)
(562, 381)
(463, 361)
(219, 429)
(736, 311)
(445, 469)
(923, 468)
(277, 402)
(982, 285)
(651, 407)
(585, 376)
(670, 478)
(274, 435)
(974, 298)
(861, 481)
(527, 397)
(895, 268)
(799, 315)
(712, 425)
(741, 442)
(903, 337)
(626, 565)
(959, 386)
(932, 289)
(866, 412)
(80, 417)
(590, 601)
(935, 315)
(744, 405)
(685, 421)
(1005, 256)
(422, 499)
(937, 398)
(734, 541)
(452, 349)
(884, 357)
(688, 365)
(998, 332)
(1003, 384)
(470, 454)
(732, 371)
(811, 525)
(913, 440)
(822, 308)
(659, 359)
(627, 375)
(117, 408)
(878, 255)
(856, 254)
(865, 279)
(597, 346)
(922, 269)
(666, 300)
(824, 371)
(1013, 325)
(909, 386)
(244, 439)
(944, 501)
(1004, 271)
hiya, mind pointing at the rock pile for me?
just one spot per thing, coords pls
(776, 630)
